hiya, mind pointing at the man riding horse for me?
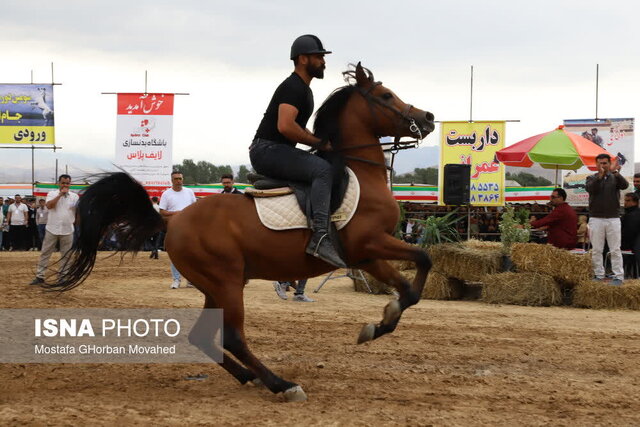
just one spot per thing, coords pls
(274, 153)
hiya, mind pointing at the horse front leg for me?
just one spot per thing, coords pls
(392, 249)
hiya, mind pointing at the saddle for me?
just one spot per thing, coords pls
(283, 205)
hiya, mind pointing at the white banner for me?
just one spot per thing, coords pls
(144, 137)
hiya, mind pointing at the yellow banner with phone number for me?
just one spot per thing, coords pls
(475, 144)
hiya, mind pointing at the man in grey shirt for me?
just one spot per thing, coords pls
(604, 211)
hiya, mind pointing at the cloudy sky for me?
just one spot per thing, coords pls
(533, 61)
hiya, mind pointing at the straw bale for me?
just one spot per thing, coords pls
(521, 289)
(463, 262)
(439, 286)
(402, 265)
(602, 295)
(561, 264)
(482, 244)
(378, 287)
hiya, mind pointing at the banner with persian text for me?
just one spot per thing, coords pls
(475, 144)
(26, 114)
(615, 136)
(144, 136)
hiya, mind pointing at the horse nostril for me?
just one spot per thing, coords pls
(429, 116)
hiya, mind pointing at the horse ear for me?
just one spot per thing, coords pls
(361, 77)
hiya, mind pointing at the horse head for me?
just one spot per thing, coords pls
(391, 115)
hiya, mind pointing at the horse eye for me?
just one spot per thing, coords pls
(387, 96)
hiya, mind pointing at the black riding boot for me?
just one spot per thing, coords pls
(320, 246)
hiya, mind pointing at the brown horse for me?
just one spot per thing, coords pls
(219, 243)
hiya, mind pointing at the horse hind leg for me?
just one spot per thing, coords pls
(202, 336)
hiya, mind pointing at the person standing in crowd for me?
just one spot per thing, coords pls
(631, 227)
(583, 232)
(18, 219)
(155, 240)
(33, 238)
(1, 222)
(636, 184)
(562, 231)
(42, 213)
(604, 222)
(227, 185)
(6, 243)
(172, 201)
(61, 204)
(298, 294)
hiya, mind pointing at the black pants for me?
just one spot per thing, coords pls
(18, 236)
(288, 163)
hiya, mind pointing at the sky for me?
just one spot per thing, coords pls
(533, 61)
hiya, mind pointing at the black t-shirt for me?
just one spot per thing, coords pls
(293, 91)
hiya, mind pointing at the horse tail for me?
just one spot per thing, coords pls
(118, 204)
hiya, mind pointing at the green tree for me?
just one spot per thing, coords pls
(242, 174)
(419, 176)
(528, 180)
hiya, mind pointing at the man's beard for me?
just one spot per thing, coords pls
(316, 72)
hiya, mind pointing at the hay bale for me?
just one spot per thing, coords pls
(463, 262)
(532, 289)
(378, 287)
(402, 265)
(441, 287)
(561, 264)
(482, 244)
(602, 295)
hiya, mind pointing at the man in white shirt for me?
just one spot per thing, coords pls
(172, 201)
(18, 220)
(61, 206)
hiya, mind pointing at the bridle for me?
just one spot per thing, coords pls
(403, 117)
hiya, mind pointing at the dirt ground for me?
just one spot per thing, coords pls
(448, 363)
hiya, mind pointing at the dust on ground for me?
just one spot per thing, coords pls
(461, 363)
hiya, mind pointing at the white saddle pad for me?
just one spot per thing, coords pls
(284, 213)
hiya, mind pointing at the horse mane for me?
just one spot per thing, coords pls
(326, 122)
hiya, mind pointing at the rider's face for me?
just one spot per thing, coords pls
(316, 65)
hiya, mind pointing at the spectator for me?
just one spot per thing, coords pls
(227, 185)
(172, 201)
(604, 225)
(42, 213)
(1, 221)
(298, 295)
(560, 223)
(18, 219)
(631, 227)
(583, 232)
(61, 205)
(636, 183)
(4, 230)
(33, 238)
(155, 239)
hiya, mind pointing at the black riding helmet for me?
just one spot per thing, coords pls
(307, 45)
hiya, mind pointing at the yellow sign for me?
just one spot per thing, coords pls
(35, 135)
(475, 144)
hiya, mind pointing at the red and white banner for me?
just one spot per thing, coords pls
(144, 136)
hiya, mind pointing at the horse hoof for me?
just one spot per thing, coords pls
(295, 394)
(392, 312)
(257, 382)
(367, 333)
